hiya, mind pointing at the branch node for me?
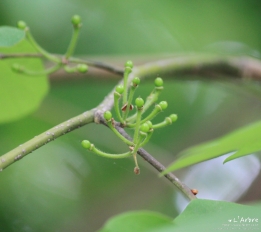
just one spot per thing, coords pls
(98, 117)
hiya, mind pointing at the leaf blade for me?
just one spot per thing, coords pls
(241, 142)
(199, 215)
(9, 36)
(20, 94)
(138, 221)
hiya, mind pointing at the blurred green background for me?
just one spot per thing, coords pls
(62, 187)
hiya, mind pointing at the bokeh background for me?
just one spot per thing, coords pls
(62, 187)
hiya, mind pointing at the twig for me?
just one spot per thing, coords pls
(96, 64)
(209, 66)
(20, 55)
(44, 138)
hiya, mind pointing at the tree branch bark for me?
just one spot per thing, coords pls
(208, 67)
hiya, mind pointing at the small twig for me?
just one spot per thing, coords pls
(150, 159)
(99, 65)
(20, 55)
(96, 64)
(209, 66)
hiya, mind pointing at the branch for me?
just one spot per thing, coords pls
(44, 138)
(95, 64)
(196, 67)
(20, 55)
(230, 66)
(242, 66)
(209, 66)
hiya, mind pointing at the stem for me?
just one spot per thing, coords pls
(141, 138)
(40, 49)
(111, 156)
(73, 42)
(166, 122)
(39, 73)
(95, 64)
(147, 139)
(132, 91)
(127, 71)
(20, 55)
(156, 110)
(116, 106)
(152, 98)
(128, 142)
(99, 65)
(70, 69)
(137, 126)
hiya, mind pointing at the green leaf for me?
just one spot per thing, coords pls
(208, 215)
(241, 142)
(9, 36)
(139, 221)
(20, 94)
(200, 215)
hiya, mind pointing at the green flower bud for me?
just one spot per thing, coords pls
(173, 117)
(21, 25)
(163, 105)
(136, 81)
(144, 127)
(86, 144)
(107, 115)
(158, 82)
(120, 89)
(82, 68)
(139, 102)
(129, 64)
(76, 20)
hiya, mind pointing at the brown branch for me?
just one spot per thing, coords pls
(199, 65)
(194, 67)
(99, 65)
(20, 55)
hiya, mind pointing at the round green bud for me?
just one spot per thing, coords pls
(129, 64)
(107, 115)
(76, 20)
(82, 68)
(136, 81)
(86, 144)
(120, 89)
(149, 123)
(21, 25)
(163, 105)
(144, 127)
(139, 102)
(158, 82)
(173, 117)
